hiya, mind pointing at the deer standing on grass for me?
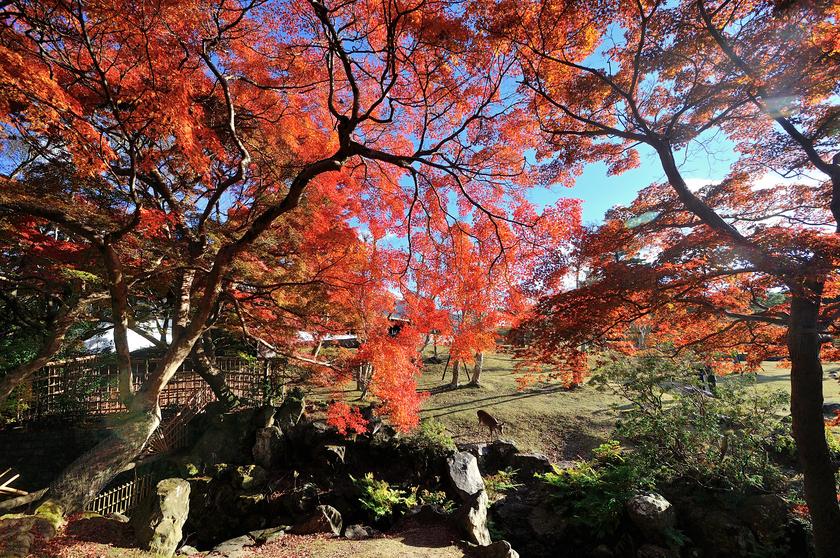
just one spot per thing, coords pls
(486, 419)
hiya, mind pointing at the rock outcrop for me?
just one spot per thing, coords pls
(653, 515)
(466, 481)
(158, 525)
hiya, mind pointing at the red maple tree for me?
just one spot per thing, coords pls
(707, 264)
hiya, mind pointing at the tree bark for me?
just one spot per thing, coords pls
(456, 373)
(118, 290)
(806, 403)
(82, 480)
(204, 360)
(364, 374)
(477, 369)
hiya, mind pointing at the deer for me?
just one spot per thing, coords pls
(486, 419)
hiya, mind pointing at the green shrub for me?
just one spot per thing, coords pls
(426, 448)
(16, 404)
(378, 498)
(500, 483)
(432, 436)
(436, 498)
(681, 432)
(593, 493)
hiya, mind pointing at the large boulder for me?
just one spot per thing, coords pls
(300, 501)
(334, 454)
(512, 516)
(546, 523)
(158, 525)
(290, 411)
(238, 547)
(326, 519)
(653, 551)
(471, 518)
(653, 515)
(249, 477)
(268, 447)
(264, 536)
(19, 532)
(766, 515)
(498, 455)
(226, 437)
(719, 533)
(464, 475)
(358, 531)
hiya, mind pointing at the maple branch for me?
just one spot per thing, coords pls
(244, 155)
(829, 168)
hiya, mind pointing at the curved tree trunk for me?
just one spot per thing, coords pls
(477, 369)
(204, 360)
(806, 402)
(82, 480)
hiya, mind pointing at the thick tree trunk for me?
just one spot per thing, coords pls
(82, 480)
(204, 359)
(477, 369)
(364, 375)
(119, 311)
(806, 404)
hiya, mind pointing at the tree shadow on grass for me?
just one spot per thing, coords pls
(490, 401)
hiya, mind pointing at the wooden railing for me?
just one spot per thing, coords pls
(172, 433)
(122, 498)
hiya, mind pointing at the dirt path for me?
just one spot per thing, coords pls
(106, 539)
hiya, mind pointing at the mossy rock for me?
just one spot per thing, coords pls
(52, 512)
(247, 504)
(249, 477)
(18, 532)
(221, 471)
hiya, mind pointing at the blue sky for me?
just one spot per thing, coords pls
(705, 160)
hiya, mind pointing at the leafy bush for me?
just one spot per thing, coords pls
(436, 498)
(16, 404)
(501, 482)
(427, 447)
(432, 436)
(378, 498)
(593, 493)
(680, 431)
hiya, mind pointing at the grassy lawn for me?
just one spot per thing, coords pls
(546, 418)
(543, 418)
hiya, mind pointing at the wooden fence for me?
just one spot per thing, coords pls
(124, 497)
(88, 386)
